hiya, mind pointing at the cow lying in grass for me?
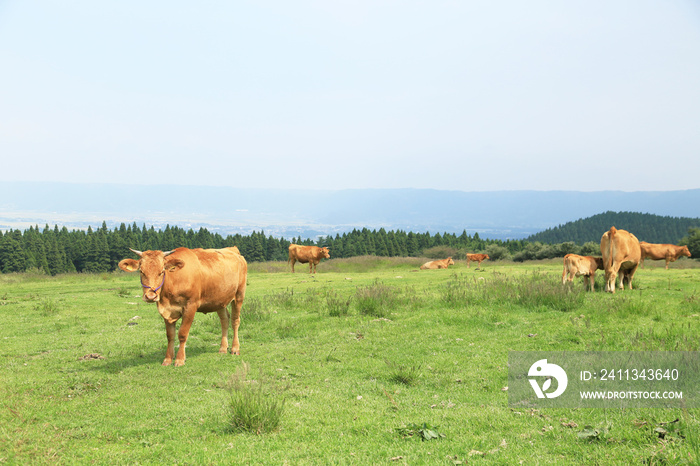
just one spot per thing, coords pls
(438, 264)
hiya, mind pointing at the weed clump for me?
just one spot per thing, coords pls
(534, 292)
(406, 375)
(47, 307)
(337, 305)
(375, 300)
(253, 407)
(254, 310)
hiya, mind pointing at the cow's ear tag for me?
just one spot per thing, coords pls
(129, 265)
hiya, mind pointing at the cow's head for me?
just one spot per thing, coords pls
(326, 252)
(153, 265)
(599, 263)
(685, 251)
(450, 261)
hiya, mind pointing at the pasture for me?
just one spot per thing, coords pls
(362, 354)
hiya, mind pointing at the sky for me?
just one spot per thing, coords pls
(457, 95)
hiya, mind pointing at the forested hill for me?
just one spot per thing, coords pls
(647, 227)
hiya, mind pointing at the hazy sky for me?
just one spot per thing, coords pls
(460, 95)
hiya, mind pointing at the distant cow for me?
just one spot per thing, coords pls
(476, 257)
(185, 281)
(577, 266)
(438, 264)
(621, 255)
(310, 254)
(657, 252)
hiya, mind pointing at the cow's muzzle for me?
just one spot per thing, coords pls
(150, 295)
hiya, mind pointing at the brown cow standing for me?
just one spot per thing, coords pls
(438, 264)
(657, 252)
(476, 257)
(310, 254)
(185, 281)
(621, 255)
(577, 266)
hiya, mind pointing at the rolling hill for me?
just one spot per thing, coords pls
(647, 227)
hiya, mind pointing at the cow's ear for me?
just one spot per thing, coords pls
(129, 265)
(171, 265)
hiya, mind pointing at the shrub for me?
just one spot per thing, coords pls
(441, 252)
(497, 252)
(590, 248)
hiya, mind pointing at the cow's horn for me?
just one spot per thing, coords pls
(168, 253)
(138, 253)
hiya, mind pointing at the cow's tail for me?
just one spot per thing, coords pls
(611, 251)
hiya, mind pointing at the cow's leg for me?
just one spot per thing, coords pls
(236, 318)
(610, 278)
(170, 352)
(292, 261)
(630, 276)
(591, 281)
(187, 319)
(621, 279)
(468, 262)
(668, 259)
(311, 266)
(224, 318)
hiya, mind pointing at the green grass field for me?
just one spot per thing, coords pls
(360, 355)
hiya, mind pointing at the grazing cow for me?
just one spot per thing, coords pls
(577, 266)
(185, 281)
(476, 257)
(310, 254)
(657, 252)
(621, 255)
(438, 264)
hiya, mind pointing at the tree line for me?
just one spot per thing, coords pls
(58, 250)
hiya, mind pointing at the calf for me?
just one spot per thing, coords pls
(577, 266)
(476, 257)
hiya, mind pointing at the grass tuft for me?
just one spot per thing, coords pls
(375, 300)
(253, 406)
(337, 305)
(406, 375)
(47, 307)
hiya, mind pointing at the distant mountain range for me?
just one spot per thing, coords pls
(309, 213)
